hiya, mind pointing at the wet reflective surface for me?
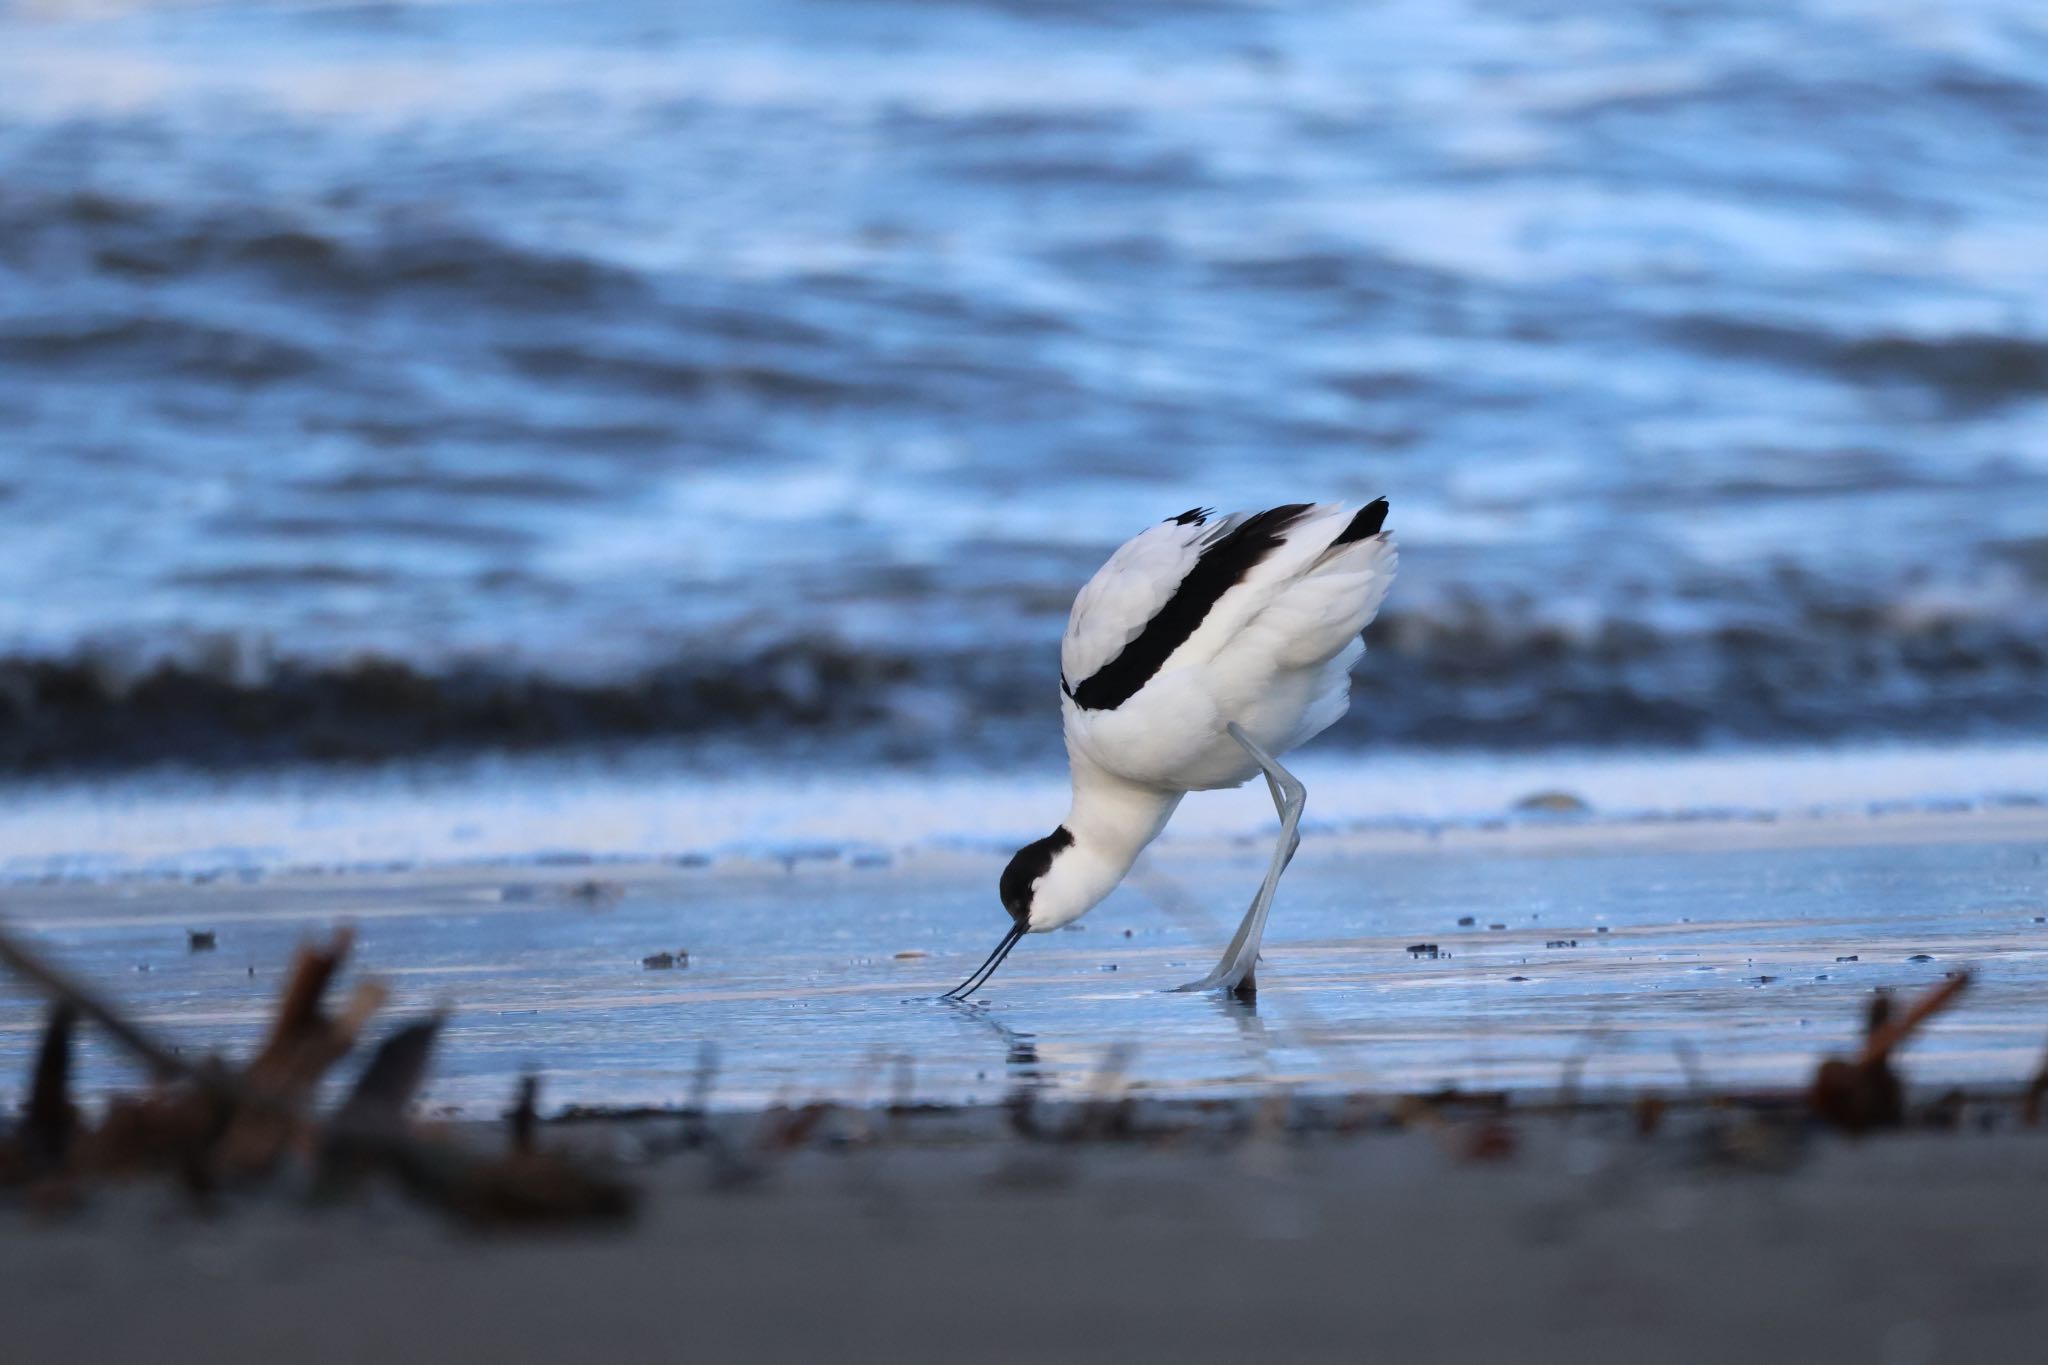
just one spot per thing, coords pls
(1732, 955)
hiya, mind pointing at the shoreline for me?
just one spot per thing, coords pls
(654, 806)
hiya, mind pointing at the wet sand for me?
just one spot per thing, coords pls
(1673, 954)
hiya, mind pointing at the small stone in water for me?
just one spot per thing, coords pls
(1562, 943)
(661, 962)
(1465, 921)
(1424, 950)
(908, 953)
(199, 940)
(1850, 958)
(1496, 926)
(1920, 957)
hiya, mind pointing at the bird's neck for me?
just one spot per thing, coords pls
(1112, 820)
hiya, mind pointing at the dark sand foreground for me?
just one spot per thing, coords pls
(948, 1237)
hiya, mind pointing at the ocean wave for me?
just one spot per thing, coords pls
(1966, 369)
(186, 347)
(1466, 679)
(135, 239)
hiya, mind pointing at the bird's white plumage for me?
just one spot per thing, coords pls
(1273, 653)
(1197, 654)
(1128, 591)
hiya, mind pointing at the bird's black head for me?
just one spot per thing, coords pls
(1030, 864)
(1019, 881)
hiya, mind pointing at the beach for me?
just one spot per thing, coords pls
(1423, 1140)
(538, 546)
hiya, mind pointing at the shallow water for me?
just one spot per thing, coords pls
(1709, 956)
(774, 367)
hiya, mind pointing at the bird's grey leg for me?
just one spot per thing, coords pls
(1234, 972)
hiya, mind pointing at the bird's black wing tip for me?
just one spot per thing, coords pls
(1366, 522)
(1194, 516)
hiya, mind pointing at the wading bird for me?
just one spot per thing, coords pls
(1202, 650)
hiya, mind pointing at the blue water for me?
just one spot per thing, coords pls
(399, 377)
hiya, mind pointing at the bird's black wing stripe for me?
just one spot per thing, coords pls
(1370, 518)
(1194, 516)
(1221, 567)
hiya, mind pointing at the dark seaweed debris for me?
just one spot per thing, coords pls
(1861, 1093)
(214, 1128)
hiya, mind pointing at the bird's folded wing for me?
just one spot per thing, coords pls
(1129, 590)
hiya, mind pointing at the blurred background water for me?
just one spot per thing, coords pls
(380, 379)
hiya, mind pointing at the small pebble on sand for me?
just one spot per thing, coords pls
(1553, 803)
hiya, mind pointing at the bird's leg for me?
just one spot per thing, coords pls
(1234, 972)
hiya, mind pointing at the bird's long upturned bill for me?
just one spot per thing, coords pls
(980, 975)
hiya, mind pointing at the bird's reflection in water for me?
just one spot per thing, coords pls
(1020, 1050)
(1251, 1030)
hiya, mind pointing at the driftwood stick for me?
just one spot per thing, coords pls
(51, 1119)
(1895, 1027)
(58, 985)
(525, 1114)
(390, 1080)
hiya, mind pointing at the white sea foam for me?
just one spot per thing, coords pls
(528, 810)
